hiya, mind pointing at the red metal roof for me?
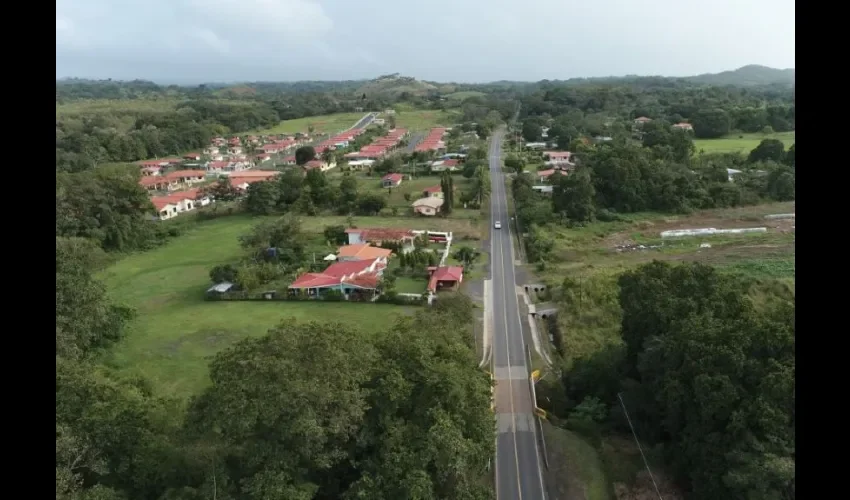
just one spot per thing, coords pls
(445, 273)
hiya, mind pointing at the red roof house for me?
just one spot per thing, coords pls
(445, 277)
(391, 180)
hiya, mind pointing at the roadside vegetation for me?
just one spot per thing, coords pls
(633, 306)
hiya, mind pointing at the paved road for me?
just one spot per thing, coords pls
(413, 141)
(518, 472)
(365, 121)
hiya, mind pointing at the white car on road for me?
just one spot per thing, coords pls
(497, 225)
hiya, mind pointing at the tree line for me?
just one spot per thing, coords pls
(705, 373)
(597, 109)
(660, 176)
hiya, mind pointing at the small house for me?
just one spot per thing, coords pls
(445, 278)
(391, 180)
(430, 206)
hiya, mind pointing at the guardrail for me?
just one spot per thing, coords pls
(539, 412)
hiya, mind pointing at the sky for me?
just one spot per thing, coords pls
(195, 41)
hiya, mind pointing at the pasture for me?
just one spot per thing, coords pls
(742, 143)
(176, 331)
(324, 124)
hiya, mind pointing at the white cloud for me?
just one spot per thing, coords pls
(461, 40)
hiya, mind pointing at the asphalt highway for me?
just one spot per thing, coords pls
(518, 473)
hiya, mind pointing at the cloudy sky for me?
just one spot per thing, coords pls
(194, 41)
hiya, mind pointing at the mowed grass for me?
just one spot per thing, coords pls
(576, 469)
(743, 144)
(176, 331)
(424, 119)
(464, 94)
(325, 124)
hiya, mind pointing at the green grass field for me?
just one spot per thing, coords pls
(423, 120)
(465, 94)
(326, 124)
(176, 331)
(575, 468)
(109, 106)
(743, 144)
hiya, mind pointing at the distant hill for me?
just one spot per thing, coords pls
(746, 76)
(396, 84)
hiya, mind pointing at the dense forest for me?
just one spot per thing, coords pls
(707, 375)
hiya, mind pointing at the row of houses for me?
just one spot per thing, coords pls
(341, 140)
(681, 125)
(380, 147)
(433, 141)
(180, 198)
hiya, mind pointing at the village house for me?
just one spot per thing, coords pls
(376, 236)
(391, 180)
(187, 177)
(192, 156)
(360, 164)
(151, 171)
(234, 150)
(428, 206)
(684, 126)
(350, 278)
(153, 163)
(443, 165)
(319, 164)
(262, 158)
(641, 120)
(557, 158)
(173, 204)
(159, 183)
(211, 150)
(445, 277)
(433, 192)
(362, 251)
(546, 175)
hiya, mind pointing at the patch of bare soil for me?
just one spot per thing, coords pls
(653, 229)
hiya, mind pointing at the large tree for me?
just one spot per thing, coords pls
(85, 319)
(304, 154)
(573, 196)
(320, 411)
(714, 378)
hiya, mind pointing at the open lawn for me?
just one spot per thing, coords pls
(424, 119)
(326, 124)
(176, 330)
(740, 144)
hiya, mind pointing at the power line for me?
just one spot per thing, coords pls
(640, 449)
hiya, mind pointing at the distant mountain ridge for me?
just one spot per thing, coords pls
(394, 84)
(746, 76)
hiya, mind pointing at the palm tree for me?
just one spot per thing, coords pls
(481, 185)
